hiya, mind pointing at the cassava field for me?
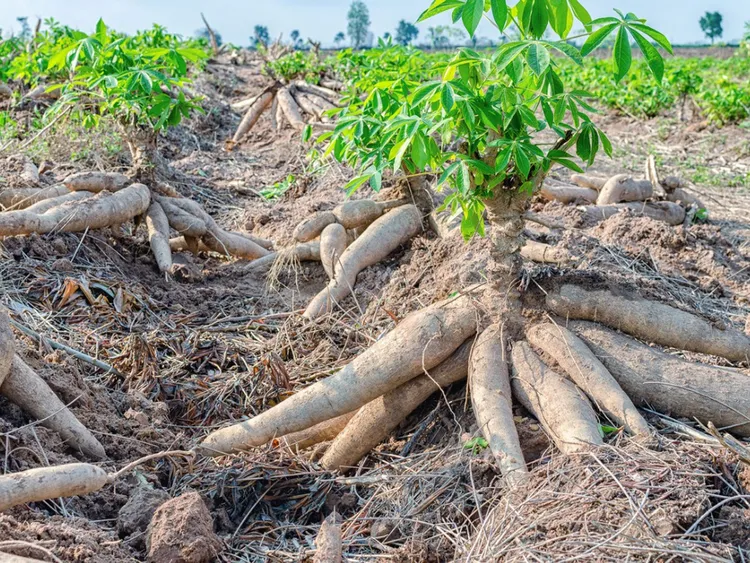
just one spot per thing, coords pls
(288, 304)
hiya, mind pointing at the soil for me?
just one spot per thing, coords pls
(192, 355)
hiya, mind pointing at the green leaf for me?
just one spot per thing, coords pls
(581, 13)
(438, 7)
(567, 49)
(606, 143)
(354, 184)
(622, 55)
(499, 12)
(537, 56)
(583, 145)
(307, 133)
(447, 97)
(463, 180)
(655, 35)
(376, 181)
(472, 15)
(522, 162)
(424, 92)
(539, 18)
(597, 38)
(653, 57)
(419, 153)
(447, 173)
(508, 53)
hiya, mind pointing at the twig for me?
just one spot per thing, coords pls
(73, 352)
(175, 453)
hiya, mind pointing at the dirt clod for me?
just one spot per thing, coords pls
(181, 531)
(135, 516)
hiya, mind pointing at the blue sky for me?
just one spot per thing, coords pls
(322, 19)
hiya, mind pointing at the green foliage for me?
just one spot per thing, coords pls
(303, 65)
(358, 25)
(476, 445)
(272, 193)
(137, 80)
(474, 119)
(711, 25)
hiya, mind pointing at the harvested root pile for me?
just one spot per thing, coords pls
(669, 200)
(297, 103)
(94, 200)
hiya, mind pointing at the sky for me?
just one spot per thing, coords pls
(322, 19)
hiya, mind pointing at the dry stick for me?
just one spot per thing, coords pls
(650, 321)
(585, 369)
(559, 406)
(333, 243)
(274, 114)
(623, 188)
(68, 480)
(311, 228)
(568, 194)
(253, 115)
(157, 225)
(26, 389)
(670, 384)
(493, 405)
(72, 351)
(544, 253)
(290, 108)
(212, 35)
(96, 182)
(375, 421)
(667, 211)
(421, 341)
(375, 244)
(12, 544)
(7, 345)
(99, 211)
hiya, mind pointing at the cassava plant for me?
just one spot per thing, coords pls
(489, 127)
(140, 82)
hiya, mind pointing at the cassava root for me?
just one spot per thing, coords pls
(489, 384)
(421, 341)
(650, 321)
(559, 406)
(380, 239)
(586, 371)
(670, 384)
(377, 419)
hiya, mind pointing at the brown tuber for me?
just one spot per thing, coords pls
(559, 406)
(585, 369)
(96, 182)
(381, 238)
(650, 321)
(670, 384)
(623, 188)
(421, 341)
(375, 421)
(333, 242)
(489, 384)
